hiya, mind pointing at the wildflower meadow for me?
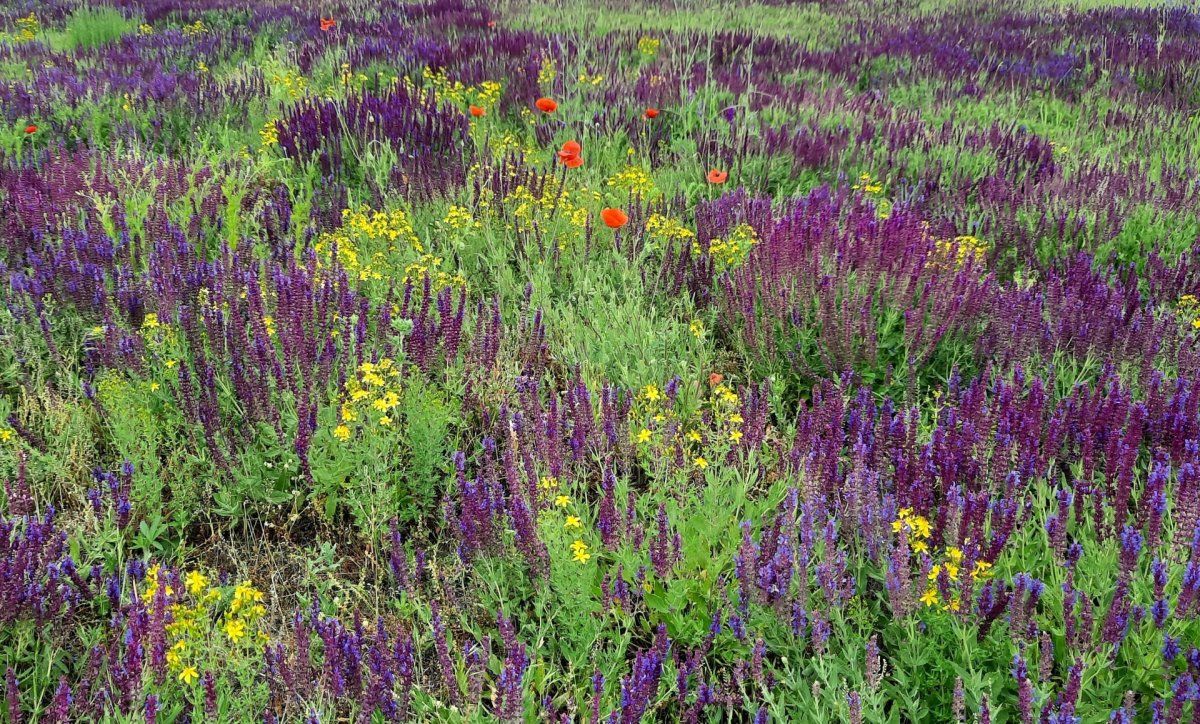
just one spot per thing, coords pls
(600, 361)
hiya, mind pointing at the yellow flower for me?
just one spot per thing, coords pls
(930, 597)
(196, 582)
(562, 501)
(189, 675)
(580, 550)
(693, 435)
(235, 629)
(650, 392)
(735, 435)
(572, 522)
(701, 463)
(954, 554)
(643, 436)
(150, 321)
(549, 482)
(342, 433)
(6, 434)
(920, 546)
(1196, 323)
(385, 421)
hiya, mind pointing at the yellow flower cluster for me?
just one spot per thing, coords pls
(951, 565)
(962, 249)
(207, 625)
(27, 29)
(547, 72)
(648, 46)
(592, 80)
(369, 242)
(666, 228)
(580, 552)
(294, 84)
(634, 179)
(460, 218)
(445, 90)
(196, 28)
(373, 393)
(427, 266)
(1189, 307)
(726, 410)
(145, 29)
(917, 527)
(868, 185)
(269, 135)
(732, 252)
(557, 211)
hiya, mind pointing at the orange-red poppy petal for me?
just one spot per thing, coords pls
(614, 218)
(546, 105)
(716, 176)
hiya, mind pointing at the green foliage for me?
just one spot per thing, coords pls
(88, 27)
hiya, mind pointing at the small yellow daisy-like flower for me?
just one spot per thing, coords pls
(650, 392)
(342, 433)
(693, 435)
(954, 554)
(235, 629)
(189, 675)
(930, 597)
(580, 551)
(150, 321)
(1196, 323)
(735, 435)
(171, 363)
(920, 546)
(195, 582)
(643, 436)
(385, 421)
(572, 522)
(549, 482)
(701, 463)
(562, 501)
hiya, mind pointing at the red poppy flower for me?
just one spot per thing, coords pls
(715, 379)
(614, 218)
(546, 105)
(651, 113)
(476, 111)
(716, 176)
(569, 155)
(30, 129)
(327, 24)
